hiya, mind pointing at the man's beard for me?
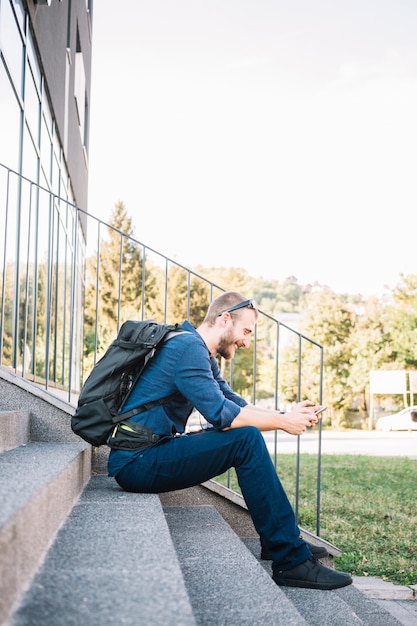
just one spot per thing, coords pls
(226, 347)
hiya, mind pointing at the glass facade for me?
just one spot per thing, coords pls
(29, 138)
(41, 242)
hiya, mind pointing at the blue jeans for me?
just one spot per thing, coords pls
(191, 459)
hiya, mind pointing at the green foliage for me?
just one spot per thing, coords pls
(329, 322)
(358, 335)
(403, 321)
(188, 296)
(240, 373)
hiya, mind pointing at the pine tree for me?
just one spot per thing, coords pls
(118, 285)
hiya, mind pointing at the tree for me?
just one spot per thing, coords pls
(118, 285)
(371, 347)
(330, 323)
(402, 314)
(188, 296)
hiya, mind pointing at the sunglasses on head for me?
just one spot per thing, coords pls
(251, 304)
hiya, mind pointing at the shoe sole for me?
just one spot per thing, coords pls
(265, 556)
(288, 582)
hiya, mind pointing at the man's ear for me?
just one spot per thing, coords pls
(224, 318)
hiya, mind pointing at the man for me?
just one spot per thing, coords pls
(186, 367)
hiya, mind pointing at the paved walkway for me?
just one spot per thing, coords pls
(399, 600)
(371, 443)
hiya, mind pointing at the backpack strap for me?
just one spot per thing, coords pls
(148, 405)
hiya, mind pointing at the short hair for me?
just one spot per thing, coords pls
(225, 301)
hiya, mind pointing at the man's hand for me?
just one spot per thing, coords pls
(303, 416)
(294, 422)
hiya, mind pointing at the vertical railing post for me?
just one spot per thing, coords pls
(119, 286)
(26, 294)
(143, 295)
(49, 287)
(97, 290)
(3, 286)
(73, 292)
(318, 500)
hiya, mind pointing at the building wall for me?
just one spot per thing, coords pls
(45, 76)
(62, 31)
(45, 72)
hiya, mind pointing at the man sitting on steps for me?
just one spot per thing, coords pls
(187, 364)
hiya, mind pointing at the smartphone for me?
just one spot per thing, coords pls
(323, 408)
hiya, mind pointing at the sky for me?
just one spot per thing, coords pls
(278, 136)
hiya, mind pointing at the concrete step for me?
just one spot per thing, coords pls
(14, 429)
(229, 586)
(332, 608)
(226, 584)
(113, 562)
(27, 406)
(38, 487)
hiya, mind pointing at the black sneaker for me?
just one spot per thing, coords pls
(311, 575)
(318, 552)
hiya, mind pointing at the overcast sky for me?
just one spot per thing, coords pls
(275, 135)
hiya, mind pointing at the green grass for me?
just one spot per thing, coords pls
(368, 510)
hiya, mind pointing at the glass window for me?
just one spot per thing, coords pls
(56, 169)
(11, 45)
(33, 62)
(29, 157)
(37, 229)
(47, 129)
(20, 14)
(46, 148)
(32, 106)
(9, 123)
(79, 91)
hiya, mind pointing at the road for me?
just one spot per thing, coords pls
(372, 443)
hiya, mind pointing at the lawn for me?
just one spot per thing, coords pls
(368, 510)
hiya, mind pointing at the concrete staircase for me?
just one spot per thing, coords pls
(77, 550)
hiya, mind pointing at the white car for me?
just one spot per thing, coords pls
(397, 421)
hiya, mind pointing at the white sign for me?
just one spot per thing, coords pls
(388, 381)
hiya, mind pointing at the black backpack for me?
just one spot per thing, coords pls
(111, 379)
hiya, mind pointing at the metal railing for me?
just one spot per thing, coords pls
(68, 280)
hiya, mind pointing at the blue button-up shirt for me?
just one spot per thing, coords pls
(183, 364)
